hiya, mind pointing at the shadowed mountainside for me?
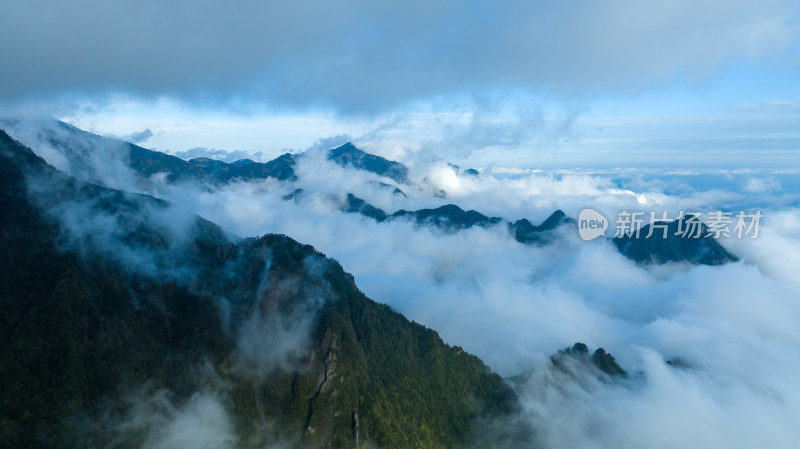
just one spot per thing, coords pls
(452, 218)
(656, 249)
(80, 148)
(695, 247)
(92, 316)
(348, 155)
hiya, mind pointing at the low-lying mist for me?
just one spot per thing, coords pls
(712, 353)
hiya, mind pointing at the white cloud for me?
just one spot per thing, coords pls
(762, 185)
(202, 423)
(733, 327)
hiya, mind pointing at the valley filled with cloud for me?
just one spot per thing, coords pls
(710, 351)
(159, 289)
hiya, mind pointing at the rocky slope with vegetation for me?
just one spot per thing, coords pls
(99, 319)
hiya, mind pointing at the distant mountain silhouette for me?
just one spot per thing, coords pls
(81, 149)
(348, 155)
(359, 206)
(449, 216)
(576, 363)
(467, 172)
(219, 172)
(84, 151)
(697, 248)
(395, 190)
(600, 359)
(452, 218)
(525, 232)
(703, 250)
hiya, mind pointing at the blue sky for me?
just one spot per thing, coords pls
(517, 83)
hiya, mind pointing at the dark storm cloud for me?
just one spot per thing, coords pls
(363, 57)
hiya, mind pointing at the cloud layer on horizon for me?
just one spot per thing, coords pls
(733, 327)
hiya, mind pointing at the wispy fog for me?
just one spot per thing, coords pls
(712, 353)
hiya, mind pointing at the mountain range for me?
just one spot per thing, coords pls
(79, 148)
(123, 315)
(276, 333)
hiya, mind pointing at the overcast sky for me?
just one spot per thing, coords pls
(468, 80)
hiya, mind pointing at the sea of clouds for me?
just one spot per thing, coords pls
(729, 332)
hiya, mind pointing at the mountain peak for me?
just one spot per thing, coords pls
(348, 155)
(675, 247)
(600, 359)
(450, 217)
(526, 232)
